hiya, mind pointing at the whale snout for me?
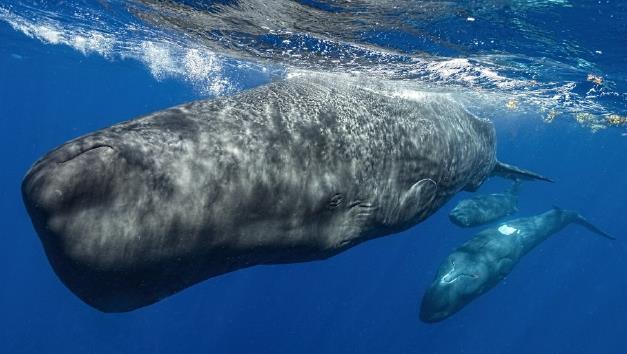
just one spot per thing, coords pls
(69, 177)
(64, 193)
(460, 218)
(435, 306)
(85, 201)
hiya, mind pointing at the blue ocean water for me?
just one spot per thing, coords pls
(524, 64)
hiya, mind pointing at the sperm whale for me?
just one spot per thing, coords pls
(297, 170)
(485, 208)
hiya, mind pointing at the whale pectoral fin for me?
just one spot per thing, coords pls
(516, 173)
(416, 202)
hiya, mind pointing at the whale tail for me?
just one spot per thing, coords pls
(588, 225)
(516, 173)
(579, 219)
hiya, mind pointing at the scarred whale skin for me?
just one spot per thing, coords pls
(294, 171)
(483, 261)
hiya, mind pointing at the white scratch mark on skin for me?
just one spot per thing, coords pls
(508, 230)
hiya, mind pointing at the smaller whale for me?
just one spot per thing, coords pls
(485, 208)
(483, 261)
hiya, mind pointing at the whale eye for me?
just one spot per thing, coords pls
(335, 201)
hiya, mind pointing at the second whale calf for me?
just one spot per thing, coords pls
(485, 208)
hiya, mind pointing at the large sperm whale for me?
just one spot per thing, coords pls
(485, 208)
(483, 261)
(297, 170)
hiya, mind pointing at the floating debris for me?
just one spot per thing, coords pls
(583, 118)
(596, 127)
(511, 104)
(597, 80)
(550, 117)
(598, 122)
(592, 121)
(615, 119)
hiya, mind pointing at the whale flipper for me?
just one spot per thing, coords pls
(413, 203)
(512, 172)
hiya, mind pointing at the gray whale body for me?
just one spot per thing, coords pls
(483, 261)
(294, 171)
(485, 208)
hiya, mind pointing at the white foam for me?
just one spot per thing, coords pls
(50, 32)
(92, 42)
(165, 59)
(158, 58)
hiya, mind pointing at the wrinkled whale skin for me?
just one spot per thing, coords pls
(293, 171)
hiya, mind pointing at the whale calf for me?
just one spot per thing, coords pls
(485, 208)
(483, 261)
(297, 170)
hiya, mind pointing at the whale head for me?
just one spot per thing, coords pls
(463, 214)
(460, 279)
(96, 202)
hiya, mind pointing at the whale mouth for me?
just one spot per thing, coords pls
(434, 307)
(74, 153)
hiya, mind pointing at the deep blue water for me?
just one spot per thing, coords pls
(566, 296)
